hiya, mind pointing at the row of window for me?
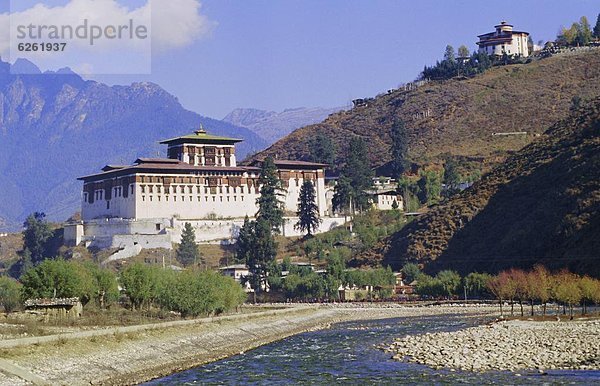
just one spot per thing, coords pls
(191, 198)
(190, 189)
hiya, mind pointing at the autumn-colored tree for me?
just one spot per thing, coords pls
(539, 286)
(567, 290)
(503, 288)
(588, 288)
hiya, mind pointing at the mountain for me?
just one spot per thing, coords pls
(459, 116)
(272, 126)
(55, 127)
(542, 205)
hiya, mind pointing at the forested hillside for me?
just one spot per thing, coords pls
(542, 205)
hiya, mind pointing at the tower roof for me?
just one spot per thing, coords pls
(201, 137)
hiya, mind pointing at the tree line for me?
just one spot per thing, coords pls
(190, 292)
(579, 34)
(516, 286)
(541, 286)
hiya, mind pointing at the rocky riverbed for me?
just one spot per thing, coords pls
(506, 345)
(134, 354)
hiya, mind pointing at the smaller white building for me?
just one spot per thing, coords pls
(239, 273)
(504, 40)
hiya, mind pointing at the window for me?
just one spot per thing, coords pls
(143, 198)
(131, 187)
(85, 197)
(143, 188)
(150, 198)
(157, 227)
(214, 199)
(167, 198)
(182, 198)
(107, 204)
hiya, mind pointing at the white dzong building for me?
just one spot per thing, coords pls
(147, 203)
(504, 40)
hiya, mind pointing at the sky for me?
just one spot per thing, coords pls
(218, 55)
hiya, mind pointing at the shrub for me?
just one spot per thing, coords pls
(9, 294)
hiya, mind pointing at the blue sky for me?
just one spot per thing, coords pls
(280, 54)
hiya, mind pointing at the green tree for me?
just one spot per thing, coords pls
(308, 210)
(431, 186)
(449, 55)
(10, 294)
(188, 252)
(399, 149)
(476, 283)
(139, 284)
(410, 272)
(36, 235)
(450, 282)
(342, 196)
(452, 177)
(321, 149)
(596, 32)
(58, 279)
(105, 287)
(584, 32)
(262, 254)
(463, 52)
(244, 243)
(270, 208)
(356, 177)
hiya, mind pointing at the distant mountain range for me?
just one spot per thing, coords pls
(55, 127)
(272, 126)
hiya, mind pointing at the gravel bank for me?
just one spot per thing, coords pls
(507, 345)
(135, 356)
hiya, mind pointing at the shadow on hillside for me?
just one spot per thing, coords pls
(549, 216)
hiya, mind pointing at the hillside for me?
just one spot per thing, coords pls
(272, 126)
(57, 127)
(542, 205)
(458, 117)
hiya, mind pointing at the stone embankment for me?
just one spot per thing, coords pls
(130, 355)
(506, 345)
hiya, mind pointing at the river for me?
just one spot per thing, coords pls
(346, 355)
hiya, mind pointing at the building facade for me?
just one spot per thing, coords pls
(146, 204)
(504, 40)
(200, 179)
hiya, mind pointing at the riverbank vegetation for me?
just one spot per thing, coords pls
(144, 288)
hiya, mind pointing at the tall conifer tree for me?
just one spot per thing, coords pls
(270, 208)
(188, 252)
(308, 210)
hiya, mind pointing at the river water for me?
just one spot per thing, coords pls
(346, 355)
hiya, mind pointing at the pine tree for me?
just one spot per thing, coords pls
(270, 208)
(36, 235)
(342, 195)
(449, 55)
(188, 252)
(358, 170)
(597, 28)
(308, 210)
(262, 254)
(244, 243)
(584, 31)
(322, 149)
(399, 148)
